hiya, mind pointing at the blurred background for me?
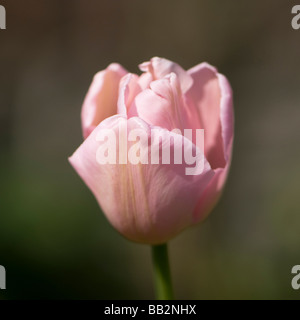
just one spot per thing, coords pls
(55, 243)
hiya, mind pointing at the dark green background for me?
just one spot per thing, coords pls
(54, 240)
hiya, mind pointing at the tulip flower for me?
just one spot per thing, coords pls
(140, 135)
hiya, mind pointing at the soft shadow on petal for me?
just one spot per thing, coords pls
(212, 194)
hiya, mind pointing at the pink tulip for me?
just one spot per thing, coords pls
(151, 203)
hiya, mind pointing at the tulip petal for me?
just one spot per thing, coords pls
(226, 116)
(101, 99)
(147, 203)
(128, 89)
(160, 67)
(162, 105)
(145, 79)
(212, 194)
(204, 97)
(211, 96)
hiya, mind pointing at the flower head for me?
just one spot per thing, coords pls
(141, 138)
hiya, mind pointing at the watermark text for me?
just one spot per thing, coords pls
(140, 146)
(2, 17)
(296, 19)
(296, 279)
(2, 278)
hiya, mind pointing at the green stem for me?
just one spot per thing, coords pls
(162, 276)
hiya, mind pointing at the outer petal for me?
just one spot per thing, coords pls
(160, 67)
(221, 121)
(204, 98)
(101, 99)
(148, 203)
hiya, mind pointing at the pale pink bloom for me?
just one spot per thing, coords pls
(151, 203)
